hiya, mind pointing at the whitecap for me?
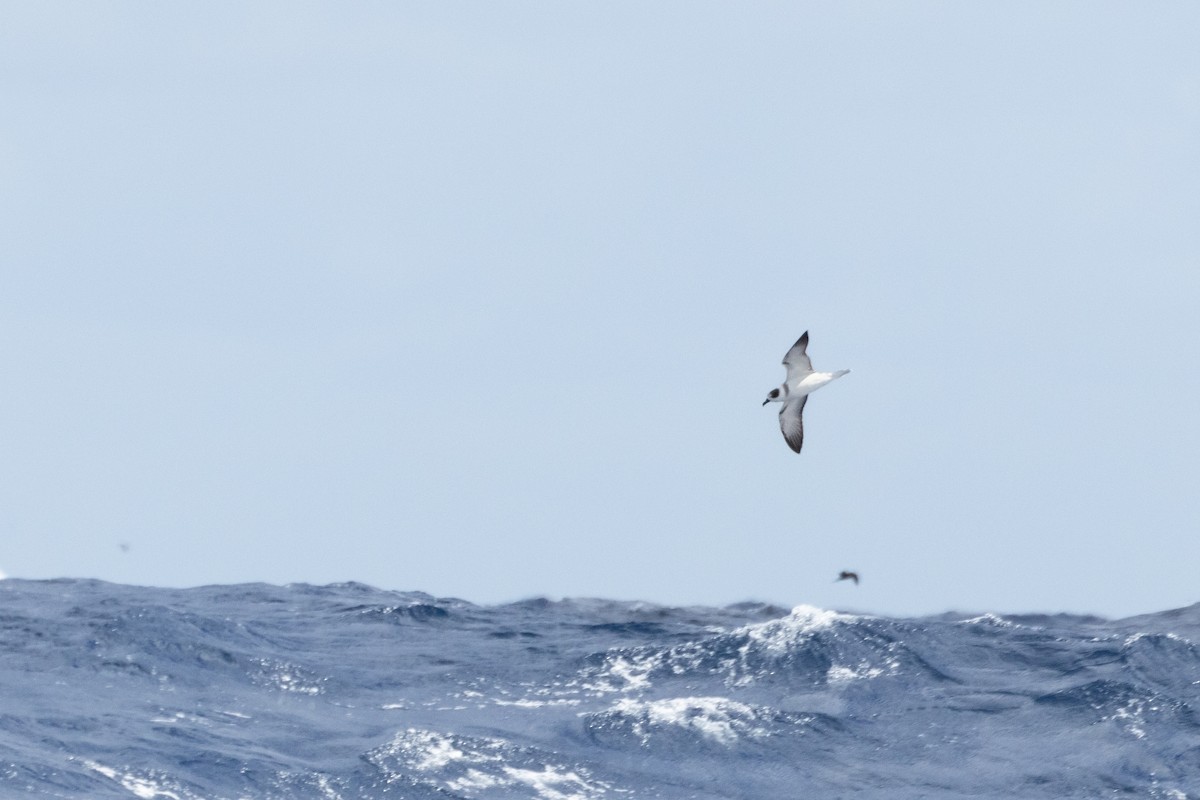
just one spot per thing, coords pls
(718, 719)
(469, 766)
(989, 618)
(841, 675)
(781, 635)
(144, 787)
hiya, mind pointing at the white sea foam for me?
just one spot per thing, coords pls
(716, 718)
(288, 678)
(469, 766)
(235, 714)
(145, 788)
(1174, 637)
(625, 672)
(326, 788)
(553, 784)
(427, 750)
(781, 635)
(178, 718)
(628, 671)
(1132, 716)
(989, 618)
(473, 780)
(528, 703)
(840, 675)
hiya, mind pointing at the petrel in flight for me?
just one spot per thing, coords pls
(801, 381)
(848, 576)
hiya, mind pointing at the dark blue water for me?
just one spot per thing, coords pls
(352, 692)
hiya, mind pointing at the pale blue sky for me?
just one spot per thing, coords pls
(483, 299)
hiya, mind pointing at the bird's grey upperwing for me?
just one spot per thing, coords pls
(791, 422)
(796, 360)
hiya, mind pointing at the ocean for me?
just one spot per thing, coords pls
(348, 691)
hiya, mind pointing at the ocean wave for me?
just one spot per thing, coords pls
(717, 720)
(480, 766)
(349, 693)
(808, 646)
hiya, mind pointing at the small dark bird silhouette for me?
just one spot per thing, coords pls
(848, 576)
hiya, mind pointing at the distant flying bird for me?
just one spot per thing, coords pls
(801, 381)
(848, 576)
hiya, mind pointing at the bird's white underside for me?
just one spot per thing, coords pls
(801, 381)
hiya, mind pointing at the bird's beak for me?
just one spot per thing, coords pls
(765, 402)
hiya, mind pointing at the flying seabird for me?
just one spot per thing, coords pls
(848, 576)
(801, 381)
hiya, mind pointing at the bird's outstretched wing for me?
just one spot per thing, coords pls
(791, 422)
(796, 360)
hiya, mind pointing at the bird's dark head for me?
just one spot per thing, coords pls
(772, 396)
